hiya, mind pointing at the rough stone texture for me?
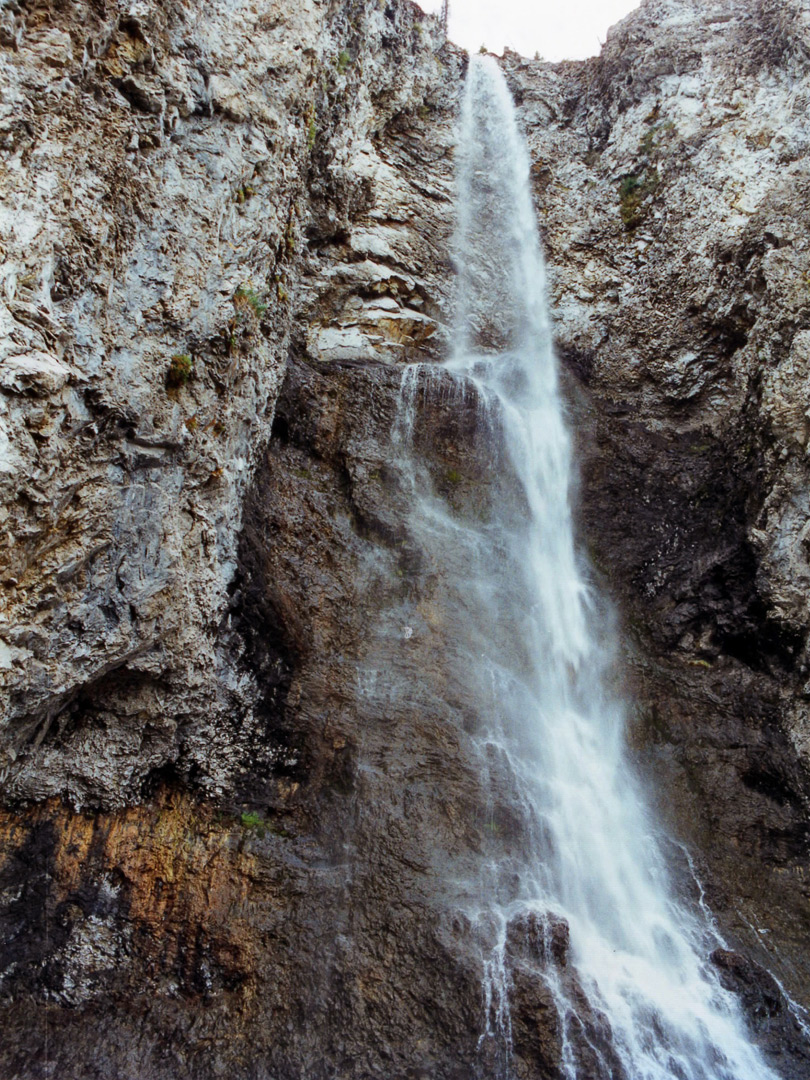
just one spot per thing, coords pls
(775, 1028)
(156, 184)
(226, 850)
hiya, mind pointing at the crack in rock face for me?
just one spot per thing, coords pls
(227, 847)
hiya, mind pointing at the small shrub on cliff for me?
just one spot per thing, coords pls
(649, 145)
(342, 61)
(632, 193)
(246, 295)
(311, 127)
(629, 200)
(180, 371)
(289, 233)
(647, 142)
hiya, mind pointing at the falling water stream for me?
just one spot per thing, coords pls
(533, 647)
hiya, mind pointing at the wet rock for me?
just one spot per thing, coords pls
(540, 977)
(774, 1021)
(542, 938)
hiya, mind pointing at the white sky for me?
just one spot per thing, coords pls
(557, 29)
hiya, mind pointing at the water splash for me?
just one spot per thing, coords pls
(530, 644)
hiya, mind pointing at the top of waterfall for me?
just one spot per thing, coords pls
(574, 31)
(501, 294)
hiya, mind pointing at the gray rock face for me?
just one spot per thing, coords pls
(220, 857)
(154, 202)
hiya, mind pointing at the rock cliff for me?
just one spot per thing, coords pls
(228, 848)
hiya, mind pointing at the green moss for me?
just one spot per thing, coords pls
(342, 61)
(181, 369)
(453, 476)
(253, 822)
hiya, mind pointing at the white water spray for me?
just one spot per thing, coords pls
(530, 643)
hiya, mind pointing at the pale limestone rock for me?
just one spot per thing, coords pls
(34, 370)
(786, 396)
(139, 196)
(54, 47)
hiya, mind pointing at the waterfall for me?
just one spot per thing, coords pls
(531, 643)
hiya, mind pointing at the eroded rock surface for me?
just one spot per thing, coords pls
(226, 851)
(156, 193)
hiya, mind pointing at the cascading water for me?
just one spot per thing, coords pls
(527, 644)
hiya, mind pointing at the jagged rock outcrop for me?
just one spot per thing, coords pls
(156, 191)
(221, 854)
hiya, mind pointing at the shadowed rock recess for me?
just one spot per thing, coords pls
(226, 849)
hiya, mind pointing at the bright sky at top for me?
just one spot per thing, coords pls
(556, 29)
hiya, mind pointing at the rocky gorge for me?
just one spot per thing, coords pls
(228, 847)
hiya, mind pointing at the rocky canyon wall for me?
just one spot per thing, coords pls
(225, 228)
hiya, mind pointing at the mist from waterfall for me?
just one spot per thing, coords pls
(533, 644)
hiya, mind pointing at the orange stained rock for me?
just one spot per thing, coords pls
(180, 870)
